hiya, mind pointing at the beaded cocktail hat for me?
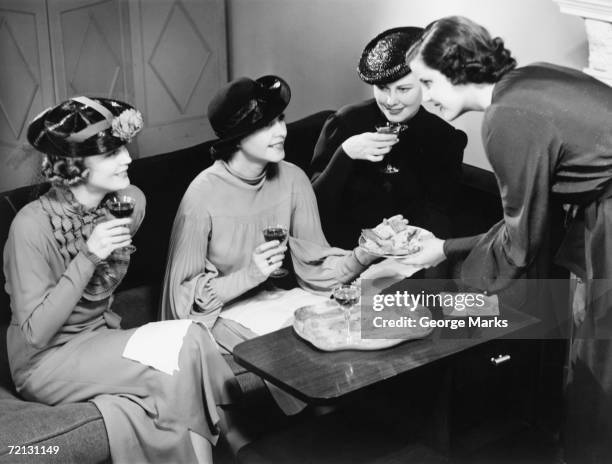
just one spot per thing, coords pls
(243, 106)
(84, 126)
(383, 60)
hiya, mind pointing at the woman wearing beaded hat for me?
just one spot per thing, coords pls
(546, 132)
(352, 189)
(63, 259)
(217, 250)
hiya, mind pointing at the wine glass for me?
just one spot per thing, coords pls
(347, 296)
(390, 128)
(276, 232)
(122, 206)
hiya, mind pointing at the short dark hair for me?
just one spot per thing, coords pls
(463, 51)
(67, 172)
(224, 152)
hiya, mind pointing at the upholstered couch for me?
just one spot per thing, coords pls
(78, 429)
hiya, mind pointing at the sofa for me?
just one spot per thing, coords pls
(78, 429)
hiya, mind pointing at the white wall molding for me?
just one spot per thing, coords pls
(597, 15)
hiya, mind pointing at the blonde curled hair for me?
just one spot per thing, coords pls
(63, 171)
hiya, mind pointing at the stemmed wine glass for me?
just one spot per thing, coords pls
(347, 296)
(390, 128)
(276, 232)
(122, 206)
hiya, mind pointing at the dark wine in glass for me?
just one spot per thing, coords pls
(390, 128)
(279, 233)
(347, 296)
(347, 301)
(122, 206)
(121, 209)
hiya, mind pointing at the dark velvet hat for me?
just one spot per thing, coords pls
(245, 105)
(383, 60)
(84, 126)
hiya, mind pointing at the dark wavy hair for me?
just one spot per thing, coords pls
(463, 51)
(67, 172)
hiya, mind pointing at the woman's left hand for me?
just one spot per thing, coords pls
(431, 254)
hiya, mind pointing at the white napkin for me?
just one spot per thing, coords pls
(388, 272)
(270, 310)
(158, 344)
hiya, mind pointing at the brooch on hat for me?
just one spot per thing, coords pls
(127, 125)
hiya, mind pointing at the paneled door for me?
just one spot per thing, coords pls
(167, 57)
(179, 51)
(26, 86)
(89, 49)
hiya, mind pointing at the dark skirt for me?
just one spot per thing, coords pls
(588, 428)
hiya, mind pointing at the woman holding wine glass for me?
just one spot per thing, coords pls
(386, 155)
(64, 342)
(217, 248)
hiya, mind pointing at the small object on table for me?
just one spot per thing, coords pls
(323, 326)
(347, 296)
(393, 238)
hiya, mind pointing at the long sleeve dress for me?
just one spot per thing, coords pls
(354, 194)
(218, 225)
(548, 136)
(65, 343)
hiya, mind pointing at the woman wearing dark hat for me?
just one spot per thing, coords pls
(217, 249)
(352, 188)
(64, 257)
(547, 133)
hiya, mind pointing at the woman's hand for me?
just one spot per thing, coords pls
(268, 257)
(370, 146)
(108, 236)
(431, 254)
(365, 258)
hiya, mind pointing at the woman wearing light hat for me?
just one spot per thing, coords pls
(353, 188)
(64, 257)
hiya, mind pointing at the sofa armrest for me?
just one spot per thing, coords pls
(77, 430)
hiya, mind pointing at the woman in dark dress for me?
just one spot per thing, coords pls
(352, 191)
(547, 133)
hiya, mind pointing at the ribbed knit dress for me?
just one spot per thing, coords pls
(65, 344)
(218, 225)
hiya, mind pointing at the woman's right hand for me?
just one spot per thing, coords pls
(108, 236)
(370, 146)
(431, 253)
(268, 257)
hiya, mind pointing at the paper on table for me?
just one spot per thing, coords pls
(387, 273)
(158, 344)
(270, 310)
